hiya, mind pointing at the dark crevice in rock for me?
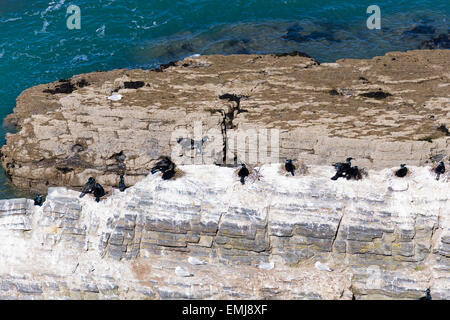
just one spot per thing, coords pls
(364, 80)
(133, 85)
(444, 129)
(376, 95)
(334, 93)
(228, 117)
(64, 169)
(234, 110)
(82, 83)
(337, 231)
(66, 86)
(427, 139)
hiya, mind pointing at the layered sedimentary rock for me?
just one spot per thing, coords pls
(204, 235)
(384, 111)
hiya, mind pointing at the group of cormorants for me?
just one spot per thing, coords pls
(403, 171)
(345, 170)
(167, 167)
(93, 187)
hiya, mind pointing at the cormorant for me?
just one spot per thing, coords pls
(342, 168)
(38, 200)
(166, 166)
(122, 186)
(169, 173)
(88, 187)
(402, 171)
(98, 192)
(428, 296)
(243, 172)
(93, 187)
(163, 165)
(353, 173)
(440, 169)
(289, 166)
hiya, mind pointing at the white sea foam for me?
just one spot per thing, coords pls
(52, 6)
(101, 31)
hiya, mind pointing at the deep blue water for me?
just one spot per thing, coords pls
(37, 47)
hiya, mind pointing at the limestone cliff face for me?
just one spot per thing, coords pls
(383, 111)
(383, 237)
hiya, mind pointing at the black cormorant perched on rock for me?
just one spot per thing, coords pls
(243, 172)
(98, 191)
(403, 171)
(88, 187)
(342, 168)
(428, 296)
(93, 187)
(440, 169)
(289, 166)
(163, 165)
(38, 200)
(122, 186)
(169, 173)
(166, 166)
(353, 173)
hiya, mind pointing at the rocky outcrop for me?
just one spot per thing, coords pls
(204, 235)
(383, 112)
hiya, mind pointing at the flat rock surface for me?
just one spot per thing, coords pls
(383, 112)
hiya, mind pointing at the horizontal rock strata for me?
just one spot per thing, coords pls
(383, 237)
(383, 112)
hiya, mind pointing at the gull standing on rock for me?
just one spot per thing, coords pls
(196, 261)
(115, 97)
(322, 267)
(266, 266)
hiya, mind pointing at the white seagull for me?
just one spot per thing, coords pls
(196, 261)
(322, 267)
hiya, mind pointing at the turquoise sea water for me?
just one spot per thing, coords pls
(37, 47)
